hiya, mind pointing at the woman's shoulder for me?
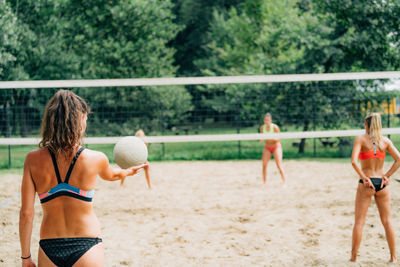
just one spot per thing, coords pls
(93, 153)
(386, 140)
(37, 153)
(362, 136)
(37, 157)
(276, 127)
(93, 158)
(361, 139)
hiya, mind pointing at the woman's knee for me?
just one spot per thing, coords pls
(279, 165)
(386, 221)
(264, 167)
(359, 223)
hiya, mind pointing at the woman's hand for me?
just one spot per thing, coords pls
(28, 263)
(368, 183)
(132, 171)
(385, 181)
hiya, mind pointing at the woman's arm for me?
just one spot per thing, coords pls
(26, 213)
(354, 155)
(396, 156)
(276, 130)
(112, 174)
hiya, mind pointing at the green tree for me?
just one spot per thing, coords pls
(14, 35)
(39, 54)
(196, 17)
(9, 42)
(127, 39)
(258, 37)
(8, 45)
(261, 37)
(359, 35)
(98, 39)
(342, 36)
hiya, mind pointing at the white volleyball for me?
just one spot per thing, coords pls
(130, 151)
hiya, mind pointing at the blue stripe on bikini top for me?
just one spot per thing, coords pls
(63, 188)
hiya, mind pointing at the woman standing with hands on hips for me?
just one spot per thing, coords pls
(64, 174)
(370, 148)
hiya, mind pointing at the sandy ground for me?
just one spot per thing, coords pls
(219, 214)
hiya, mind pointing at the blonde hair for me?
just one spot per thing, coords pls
(374, 124)
(140, 133)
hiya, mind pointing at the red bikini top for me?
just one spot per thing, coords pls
(372, 154)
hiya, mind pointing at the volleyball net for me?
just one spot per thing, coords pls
(227, 111)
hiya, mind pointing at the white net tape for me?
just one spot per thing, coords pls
(201, 80)
(211, 137)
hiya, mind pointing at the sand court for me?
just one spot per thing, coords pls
(218, 213)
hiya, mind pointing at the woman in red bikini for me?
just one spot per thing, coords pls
(272, 147)
(370, 148)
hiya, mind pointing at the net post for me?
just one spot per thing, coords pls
(239, 148)
(238, 127)
(8, 132)
(9, 156)
(314, 126)
(388, 115)
(162, 132)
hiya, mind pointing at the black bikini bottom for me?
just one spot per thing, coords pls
(64, 252)
(376, 182)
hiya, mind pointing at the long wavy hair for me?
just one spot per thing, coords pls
(61, 125)
(374, 124)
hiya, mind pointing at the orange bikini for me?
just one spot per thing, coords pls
(272, 148)
(371, 154)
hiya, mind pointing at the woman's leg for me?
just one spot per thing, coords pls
(278, 159)
(363, 200)
(265, 159)
(146, 172)
(93, 257)
(382, 199)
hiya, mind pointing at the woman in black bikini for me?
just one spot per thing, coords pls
(64, 174)
(370, 148)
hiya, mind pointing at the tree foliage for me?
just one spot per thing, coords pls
(100, 39)
(267, 37)
(71, 39)
(196, 18)
(362, 35)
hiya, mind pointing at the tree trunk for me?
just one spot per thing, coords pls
(303, 141)
(5, 120)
